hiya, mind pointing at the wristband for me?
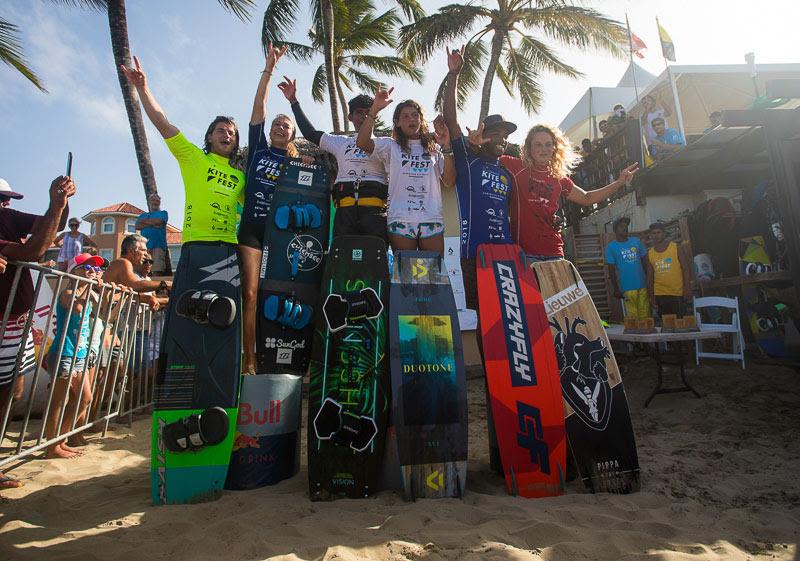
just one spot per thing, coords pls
(448, 152)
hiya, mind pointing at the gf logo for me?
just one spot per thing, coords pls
(418, 269)
(435, 480)
(530, 436)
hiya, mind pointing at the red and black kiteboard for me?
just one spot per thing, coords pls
(521, 372)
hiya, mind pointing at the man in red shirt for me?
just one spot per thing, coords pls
(541, 178)
(15, 226)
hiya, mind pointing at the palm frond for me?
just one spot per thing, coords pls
(523, 78)
(319, 85)
(412, 9)
(279, 18)
(364, 81)
(297, 51)
(502, 75)
(469, 79)
(390, 65)
(97, 5)
(239, 8)
(579, 27)
(419, 40)
(543, 57)
(11, 53)
(370, 32)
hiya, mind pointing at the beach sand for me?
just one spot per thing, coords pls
(719, 481)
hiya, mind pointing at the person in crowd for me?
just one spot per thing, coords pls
(651, 110)
(586, 147)
(213, 186)
(153, 225)
(669, 274)
(417, 162)
(122, 271)
(541, 179)
(666, 142)
(67, 364)
(618, 118)
(715, 119)
(266, 153)
(360, 189)
(38, 233)
(626, 261)
(603, 127)
(6, 194)
(71, 243)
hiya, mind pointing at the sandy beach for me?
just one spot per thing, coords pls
(719, 481)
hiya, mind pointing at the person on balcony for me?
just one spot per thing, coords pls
(666, 142)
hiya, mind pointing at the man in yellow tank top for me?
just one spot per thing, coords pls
(669, 274)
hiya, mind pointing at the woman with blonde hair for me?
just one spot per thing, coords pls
(541, 178)
(417, 163)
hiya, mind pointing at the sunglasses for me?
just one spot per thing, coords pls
(92, 268)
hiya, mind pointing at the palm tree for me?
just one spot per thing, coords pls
(118, 26)
(11, 53)
(280, 16)
(358, 30)
(515, 56)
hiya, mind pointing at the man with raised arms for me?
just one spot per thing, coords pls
(360, 191)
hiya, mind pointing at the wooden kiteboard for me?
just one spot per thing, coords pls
(597, 417)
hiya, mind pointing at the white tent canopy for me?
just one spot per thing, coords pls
(597, 104)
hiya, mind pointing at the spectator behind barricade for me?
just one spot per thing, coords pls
(133, 251)
(715, 119)
(669, 276)
(626, 261)
(6, 194)
(667, 141)
(153, 226)
(586, 147)
(66, 363)
(144, 272)
(618, 118)
(14, 227)
(603, 127)
(72, 243)
(651, 111)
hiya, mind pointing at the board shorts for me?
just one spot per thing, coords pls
(160, 267)
(10, 347)
(61, 368)
(251, 233)
(415, 230)
(637, 303)
(360, 221)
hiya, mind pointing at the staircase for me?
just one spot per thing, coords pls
(588, 258)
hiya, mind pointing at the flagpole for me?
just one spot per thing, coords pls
(673, 85)
(630, 55)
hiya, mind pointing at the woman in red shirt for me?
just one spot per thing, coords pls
(541, 177)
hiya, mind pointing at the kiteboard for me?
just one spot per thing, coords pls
(197, 382)
(597, 418)
(521, 373)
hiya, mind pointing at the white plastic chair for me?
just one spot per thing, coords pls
(733, 327)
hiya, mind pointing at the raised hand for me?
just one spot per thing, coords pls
(61, 189)
(135, 75)
(626, 175)
(441, 132)
(455, 60)
(476, 137)
(289, 89)
(382, 98)
(274, 54)
(3, 264)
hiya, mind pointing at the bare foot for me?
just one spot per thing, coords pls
(77, 440)
(57, 451)
(71, 449)
(8, 482)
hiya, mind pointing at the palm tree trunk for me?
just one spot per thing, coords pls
(327, 22)
(342, 100)
(118, 24)
(486, 92)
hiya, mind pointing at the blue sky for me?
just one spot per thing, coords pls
(203, 62)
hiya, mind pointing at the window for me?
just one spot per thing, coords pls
(108, 225)
(107, 254)
(91, 233)
(130, 226)
(174, 255)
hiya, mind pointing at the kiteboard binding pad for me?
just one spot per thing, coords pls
(348, 388)
(429, 405)
(197, 382)
(597, 418)
(521, 373)
(266, 448)
(295, 239)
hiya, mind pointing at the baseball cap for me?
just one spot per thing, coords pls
(496, 120)
(658, 226)
(5, 190)
(84, 259)
(620, 220)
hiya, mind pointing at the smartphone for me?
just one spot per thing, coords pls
(69, 164)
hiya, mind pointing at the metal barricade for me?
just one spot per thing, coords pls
(109, 350)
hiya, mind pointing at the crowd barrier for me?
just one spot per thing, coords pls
(114, 381)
